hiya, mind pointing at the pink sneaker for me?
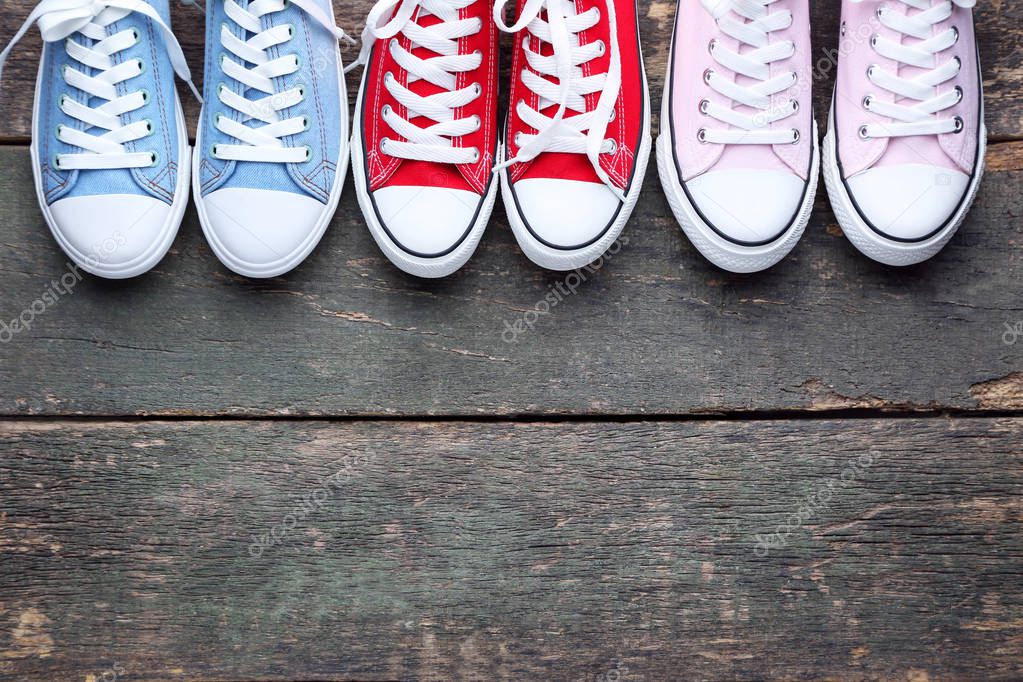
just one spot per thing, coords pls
(905, 145)
(738, 153)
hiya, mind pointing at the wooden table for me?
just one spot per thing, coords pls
(347, 473)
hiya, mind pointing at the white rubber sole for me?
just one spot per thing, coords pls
(419, 266)
(868, 241)
(93, 263)
(292, 260)
(721, 252)
(563, 259)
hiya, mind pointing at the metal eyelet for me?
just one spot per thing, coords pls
(959, 63)
(306, 124)
(602, 47)
(301, 92)
(149, 127)
(704, 105)
(706, 75)
(308, 153)
(873, 40)
(386, 110)
(291, 30)
(866, 101)
(870, 71)
(477, 88)
(879, 12)
(795, 136)
(795, 105)
(478, 121)
(959, 94)
(55, 162)
(701, 135)
(841, 31)
(955, 29)
(145, 97)
(863, 133)
(60, 129)
(384, 141)
(136, 35)
(298, 61)
(612, 116)
(517, 139)
(154, 159)
(475, 154)
(959, 124)
(614, 147)
(711, 45)
(213, 152)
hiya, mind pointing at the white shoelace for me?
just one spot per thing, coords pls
(582, 132)
(263, 143)
(434, 141)
(751, 23)
(64, 19)
(918, 107)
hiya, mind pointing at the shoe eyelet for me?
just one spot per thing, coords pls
(386, 110)
(306, 124)
(55, 162)
(477, 88)
(222, 59)
(393, 45)
(154, 159)
(704, 105)
(517, 139)
(879, 12)
(308, 153)
(841, 31)
(384, 141)
(298, 61)
(707, 76)
(701, 135)
(795, 105)
(959, 125)
(614, 147)
(291, 30)
(136, 35)
(955, 31)
(146, 97)
(475, 155)
(867, 101)
(612, 116)
(142, 67)
(959, 64)
(213, 152)
(870, 71)
(149, 127)
(478, 121)
(602, 47)
(712, 45)
(873, 40)
(64, 97)
(959, 94)
(301, 92)
(864, 133)
(389, 77)
(60, 129)
(795, 136)
(597, 10)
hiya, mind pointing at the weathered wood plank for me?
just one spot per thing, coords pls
(655, 330)
(998, 27)
(489, 551)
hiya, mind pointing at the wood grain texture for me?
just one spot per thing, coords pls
(998, 31)
(654, 330)
(492, 551)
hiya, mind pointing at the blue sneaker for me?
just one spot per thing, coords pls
(109, 145)
(272, 148)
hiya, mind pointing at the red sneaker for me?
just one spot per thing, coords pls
(425, 131)
(578, 131)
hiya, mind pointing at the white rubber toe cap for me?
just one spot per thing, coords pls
(260, 232)
(566, 214)
(114, 235)
(909, 201)
(748, 207)
(426, 221)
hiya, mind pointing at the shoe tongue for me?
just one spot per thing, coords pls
(423, 87)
